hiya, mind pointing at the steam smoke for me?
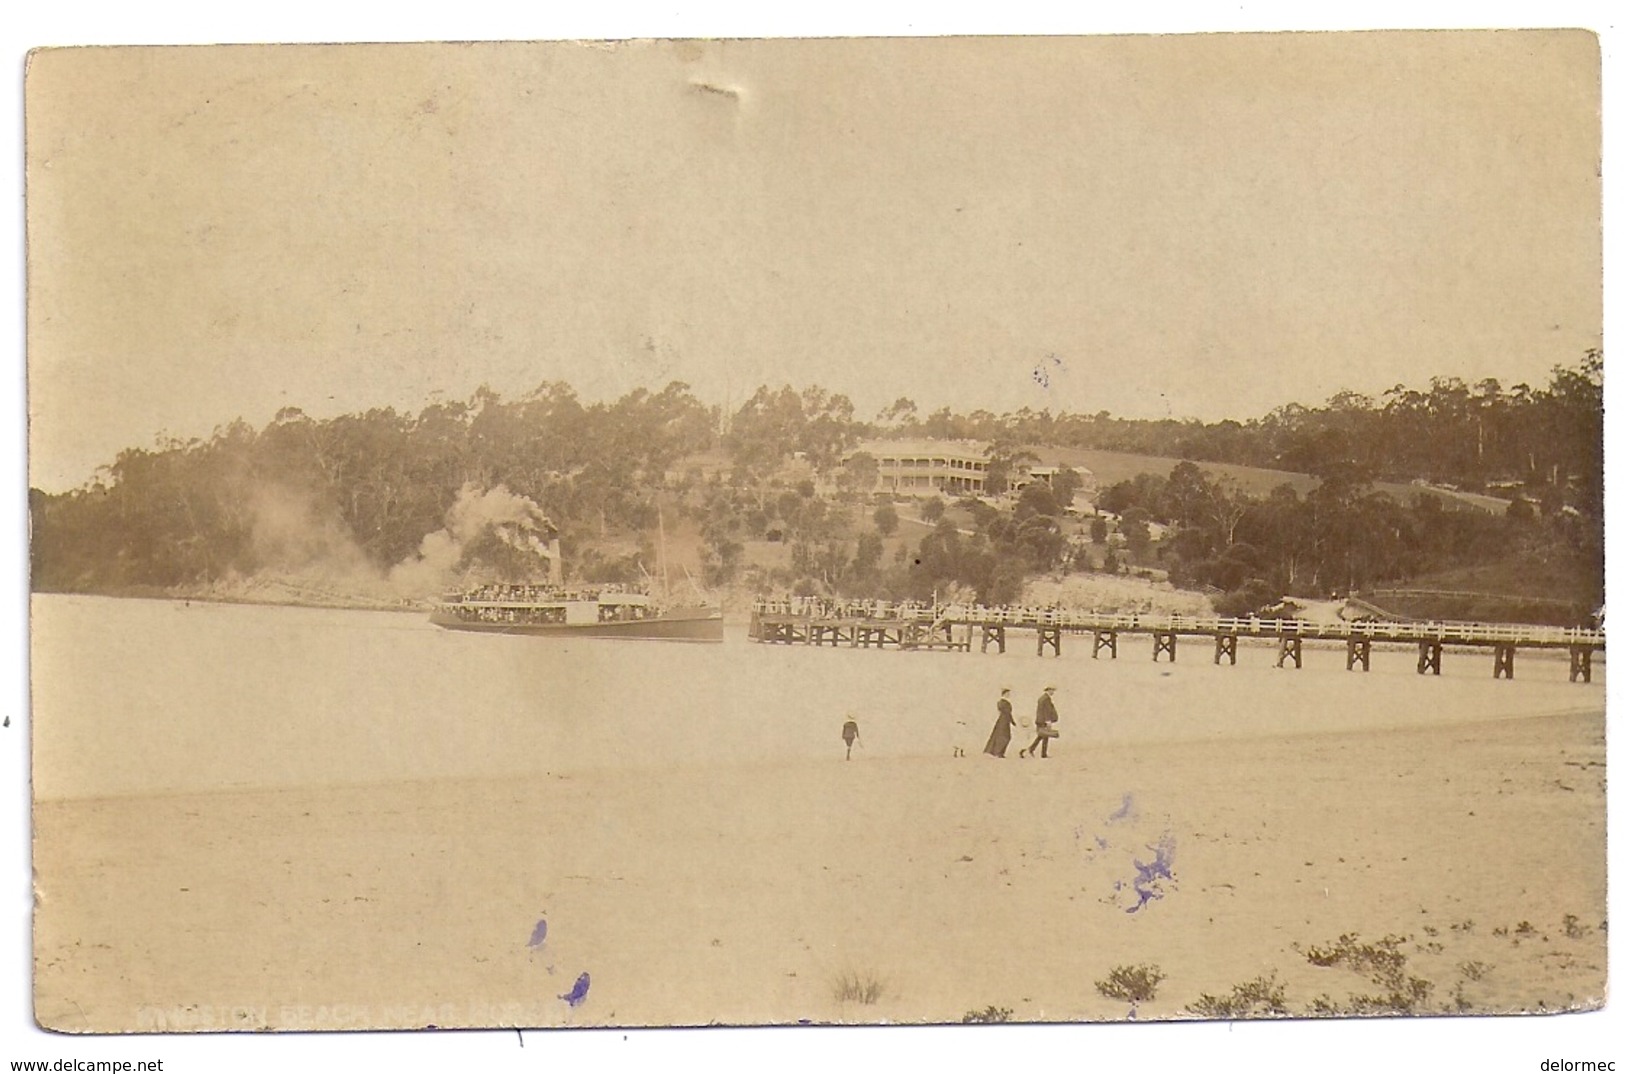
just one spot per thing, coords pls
(290, 536)
(514, 519)
(309, 554)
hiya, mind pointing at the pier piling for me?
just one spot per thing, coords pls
(1429, 655)
(916, 625)
(1164, 641)
(1580, 663)
(1105, 639)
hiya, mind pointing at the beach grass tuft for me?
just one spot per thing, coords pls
(1131, 984)
(853, 986)
(1383, 963)
(1262, 997)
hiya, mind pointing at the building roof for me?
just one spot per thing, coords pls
(923, 446)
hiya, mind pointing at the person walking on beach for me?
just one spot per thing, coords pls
(849, 732)
(1046, 719)
(999, 740)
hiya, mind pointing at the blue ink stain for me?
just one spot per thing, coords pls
(1101, 843)
(539, 933)
(1148, 874)
(578, 994)
(1124, 811)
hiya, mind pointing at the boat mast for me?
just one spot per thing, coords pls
(665, 577)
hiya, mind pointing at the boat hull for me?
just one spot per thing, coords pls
(700, 624)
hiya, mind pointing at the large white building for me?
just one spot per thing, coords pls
(922, 467)
(927, 467)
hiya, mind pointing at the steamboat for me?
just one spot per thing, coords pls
(553, 611)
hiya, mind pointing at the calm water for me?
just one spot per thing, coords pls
(137, 696)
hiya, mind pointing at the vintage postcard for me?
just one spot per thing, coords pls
(807, 532)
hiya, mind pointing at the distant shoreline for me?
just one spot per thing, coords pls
(335, 602)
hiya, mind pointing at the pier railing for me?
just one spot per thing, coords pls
(1077, 621)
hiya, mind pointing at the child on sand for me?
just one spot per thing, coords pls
(849, 732)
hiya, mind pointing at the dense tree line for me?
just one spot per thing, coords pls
(1546, 440)
(1343, 536)
(373, 485)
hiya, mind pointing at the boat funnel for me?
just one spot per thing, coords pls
(555, 563)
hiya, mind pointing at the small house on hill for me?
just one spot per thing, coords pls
(1087, 488)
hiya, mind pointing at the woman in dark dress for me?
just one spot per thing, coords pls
(999, 740)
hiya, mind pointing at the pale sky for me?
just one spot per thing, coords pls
(1205, 226)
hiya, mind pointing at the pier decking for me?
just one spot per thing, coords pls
(954, 628)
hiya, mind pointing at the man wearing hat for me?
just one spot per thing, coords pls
(1045, 720)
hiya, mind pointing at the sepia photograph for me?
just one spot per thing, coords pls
(816, 532)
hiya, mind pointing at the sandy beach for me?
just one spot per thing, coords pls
(750, 892)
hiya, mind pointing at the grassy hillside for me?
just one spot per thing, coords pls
(1551, 591)
(1110, 467)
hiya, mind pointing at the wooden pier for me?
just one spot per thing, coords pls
(954, 627)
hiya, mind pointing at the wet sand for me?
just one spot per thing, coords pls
(748, 892)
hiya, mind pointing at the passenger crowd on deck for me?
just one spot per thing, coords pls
(534, 604)
(477, 613)
(537, 592)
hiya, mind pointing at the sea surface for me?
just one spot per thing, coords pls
(151, 697)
